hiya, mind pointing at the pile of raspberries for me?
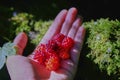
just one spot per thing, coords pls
(51, 54)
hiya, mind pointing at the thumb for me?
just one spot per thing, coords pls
(20, 68)
(20, 42)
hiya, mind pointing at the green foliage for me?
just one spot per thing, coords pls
(103, 39)
(40, 27)
(24, 22)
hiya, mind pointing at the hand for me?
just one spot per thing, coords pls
(22, 68)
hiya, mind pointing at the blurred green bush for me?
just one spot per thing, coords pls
(24, 22)
(103, 41)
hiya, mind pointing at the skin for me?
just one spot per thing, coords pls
(23, 68)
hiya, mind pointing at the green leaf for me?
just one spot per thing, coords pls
(2, 59)
(8, 49)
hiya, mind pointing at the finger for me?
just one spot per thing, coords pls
(61, 74)
(69, 20)
(74, 28)
(55, 27)
(19, 68)
(69, 66)
(20, 42)
(79, 38)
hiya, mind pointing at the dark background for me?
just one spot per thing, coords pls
(48, 9)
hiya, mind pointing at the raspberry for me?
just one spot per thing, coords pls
(67, 42)
(59, 37)
(52, 45)
(41, 47)
(39, 57)
(64, 54)
(52, 63)
(39, 53)
(50, 53)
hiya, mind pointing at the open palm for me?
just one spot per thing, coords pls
(22, 68)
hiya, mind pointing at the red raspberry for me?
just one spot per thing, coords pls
(41, 47)
(64, 54)
(52, 63)
(52, 45)
(67, 43)
(39, 53)
(59, 37)
(50, 53)
(39, 57)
